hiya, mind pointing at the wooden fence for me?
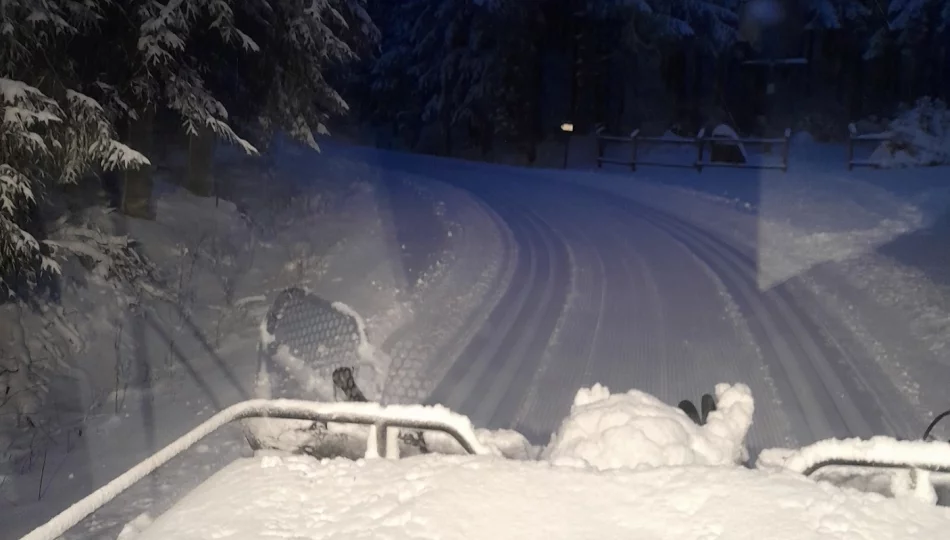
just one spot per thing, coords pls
(853, 138)
(699, 142)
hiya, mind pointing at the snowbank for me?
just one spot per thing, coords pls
(920, 137)
(636, 430)
(722, 131)
(489, 498)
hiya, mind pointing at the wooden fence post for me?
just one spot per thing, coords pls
(852, 131)
(633, 141)
(600, 148)
(700, 141)
(788, 136)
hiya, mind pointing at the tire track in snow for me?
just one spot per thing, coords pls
(574, 337)
(451, 350)
(531, 352)
(811, 375)
(628, 339)
(633, 351)
(827, 406)
(692, 370)
(671, 346)
(422, 348)
(515, 335)
(459, 382)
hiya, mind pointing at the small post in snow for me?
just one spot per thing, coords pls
(567, 128)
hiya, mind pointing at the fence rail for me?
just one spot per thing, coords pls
(699, 142)
(853, 138)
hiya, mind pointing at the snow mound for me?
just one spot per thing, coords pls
(722, 131)
(920, 137)
(490, 498)
(636, 430)
(135, 527)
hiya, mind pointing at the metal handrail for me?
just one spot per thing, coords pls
(369, 414)
(932, 467)
(878, 453)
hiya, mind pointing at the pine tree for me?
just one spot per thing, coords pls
(713, 22)
(444, 47)
(52, 133)
(66, 88)
(835, 13)
(398, 91)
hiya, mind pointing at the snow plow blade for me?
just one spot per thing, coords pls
(384, 421)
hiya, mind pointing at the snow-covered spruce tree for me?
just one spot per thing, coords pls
(66, 84)
(220, 67)
(426, 60)
(397, 93)
(461, 59)
(911, 27)
(835, 14)
(52, 133)
(515, 75)
(286, 83)
(655, 22)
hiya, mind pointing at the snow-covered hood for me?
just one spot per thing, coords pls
(491, 498)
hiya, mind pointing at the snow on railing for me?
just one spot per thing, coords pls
(877, 452)
(699, 141)
(379, 418)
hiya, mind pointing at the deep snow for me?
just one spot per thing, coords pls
(466, 497)
(637, 430)
(502, 298)
(596, 472)
(330, 227)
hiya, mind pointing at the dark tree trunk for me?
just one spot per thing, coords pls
(200, 177)
(137, 183)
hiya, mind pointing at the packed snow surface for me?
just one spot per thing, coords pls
(637, 430)
(483, 497)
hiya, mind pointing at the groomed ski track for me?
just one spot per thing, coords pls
(611, 290)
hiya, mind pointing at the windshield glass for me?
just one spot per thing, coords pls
(483, 204)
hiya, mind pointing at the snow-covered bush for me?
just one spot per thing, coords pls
(637, 430)
(920, 136)
(45, 143)
(109, 258)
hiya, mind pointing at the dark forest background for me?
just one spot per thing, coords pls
(456, 75)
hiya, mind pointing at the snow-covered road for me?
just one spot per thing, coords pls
(612, 290)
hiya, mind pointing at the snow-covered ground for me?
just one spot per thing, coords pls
(500, 292)
(466, 497)
(731, 283)
(152, 368)
(612, 454)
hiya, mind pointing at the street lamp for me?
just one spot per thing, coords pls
(567, 128)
